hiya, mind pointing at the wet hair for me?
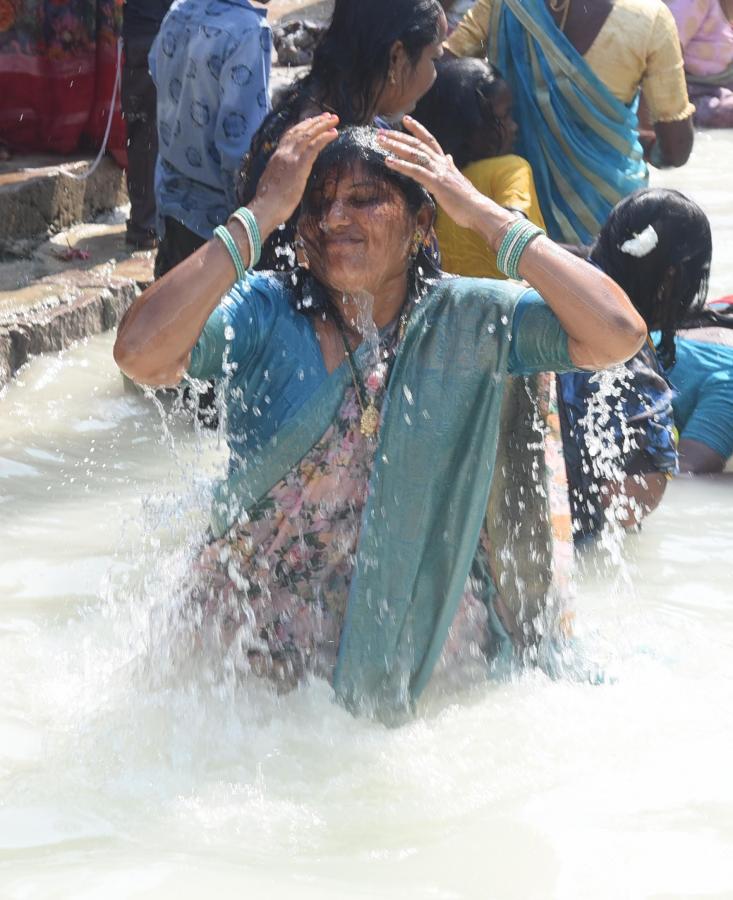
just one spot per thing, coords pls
(352, 59)
(670, 283)
(459, 107)
(349, 71)
(358, 146)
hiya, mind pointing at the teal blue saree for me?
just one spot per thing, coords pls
(432, 472)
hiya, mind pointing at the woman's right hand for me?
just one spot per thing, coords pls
(420, 156)
(281, 186)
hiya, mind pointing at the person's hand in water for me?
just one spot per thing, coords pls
(420, 156)
(282, 184)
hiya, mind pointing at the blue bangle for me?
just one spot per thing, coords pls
(222, 232)
(246, 219)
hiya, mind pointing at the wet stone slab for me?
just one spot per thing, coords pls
(76, 284)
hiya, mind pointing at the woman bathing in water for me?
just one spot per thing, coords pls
(363, 407)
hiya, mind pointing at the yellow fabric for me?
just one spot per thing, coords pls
(508, 181)
(637, 46)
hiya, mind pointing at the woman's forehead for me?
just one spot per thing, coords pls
(349, 176)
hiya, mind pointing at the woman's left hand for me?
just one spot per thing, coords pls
(420, 156)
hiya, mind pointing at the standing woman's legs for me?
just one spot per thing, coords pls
(138, 107)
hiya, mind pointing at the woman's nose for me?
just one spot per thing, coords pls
(336, 214)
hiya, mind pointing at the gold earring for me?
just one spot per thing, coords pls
(392, 79)
(417, 240)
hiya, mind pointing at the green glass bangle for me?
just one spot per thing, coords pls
(508, 242)
(513, 245)
(501, 252)
(246, 219)
(222, 232)
(521, 244)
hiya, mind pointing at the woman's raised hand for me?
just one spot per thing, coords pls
(420, 156)
(282, 183)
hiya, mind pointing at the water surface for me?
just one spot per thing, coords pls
(119, 781)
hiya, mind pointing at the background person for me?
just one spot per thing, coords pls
(469, 111)
(373, 63)
(620, 450)
(702, 378)
(58, 67)
(211, 66)
(706, 35)
(140, 23)
(576, 104)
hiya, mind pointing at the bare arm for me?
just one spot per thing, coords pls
(603, 327)
(673, 144)
(641, 495)
(666, 144)
(696, 458)
(157, 334)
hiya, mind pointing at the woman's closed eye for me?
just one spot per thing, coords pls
(362, 200)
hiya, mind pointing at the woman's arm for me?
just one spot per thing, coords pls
(697, 458)
(666, 104)
(603, 327)
(634, 497)
(157, 333)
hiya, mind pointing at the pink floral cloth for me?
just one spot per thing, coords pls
(278, 584)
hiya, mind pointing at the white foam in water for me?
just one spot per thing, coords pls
(123, 775)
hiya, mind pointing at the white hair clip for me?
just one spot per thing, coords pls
(641, 244)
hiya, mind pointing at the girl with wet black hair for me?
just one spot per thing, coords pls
(374, 62)
(469, 110)
(666, 275)
(657, 246)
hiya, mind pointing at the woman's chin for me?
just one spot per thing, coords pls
(348, 283)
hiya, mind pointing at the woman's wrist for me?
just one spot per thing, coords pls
(491, 221)
(266, 222)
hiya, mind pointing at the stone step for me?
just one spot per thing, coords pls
(75, 284)
(40, 195)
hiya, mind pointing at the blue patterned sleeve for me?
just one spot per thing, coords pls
(245, 101)
(539, 342)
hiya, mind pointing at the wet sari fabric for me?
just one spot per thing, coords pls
(433, 463)
(295, 551)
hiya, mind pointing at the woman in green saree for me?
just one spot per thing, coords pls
(363, 411)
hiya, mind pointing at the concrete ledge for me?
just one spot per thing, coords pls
(53, 329)
(47, 303)
(38, 199)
